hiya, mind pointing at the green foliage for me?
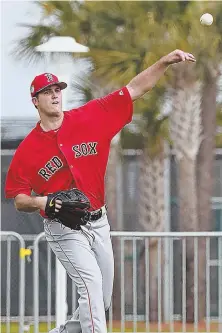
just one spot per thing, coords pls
(131, 140)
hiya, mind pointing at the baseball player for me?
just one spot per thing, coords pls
(59, 170)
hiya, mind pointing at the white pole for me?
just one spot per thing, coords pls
(61, 294)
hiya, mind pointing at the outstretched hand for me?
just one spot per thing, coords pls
(146, 80)
(178, 56)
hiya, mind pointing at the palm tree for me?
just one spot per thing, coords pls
(193, 130)
(122, 44)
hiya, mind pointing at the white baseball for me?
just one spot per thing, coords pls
(206, 19)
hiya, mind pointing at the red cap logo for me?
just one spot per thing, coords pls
(43, 81)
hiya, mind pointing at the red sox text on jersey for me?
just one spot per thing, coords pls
(54, 164)
(74, 156)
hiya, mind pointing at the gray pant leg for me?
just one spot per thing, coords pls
(69, 327)
(73, 249)
(102, 247)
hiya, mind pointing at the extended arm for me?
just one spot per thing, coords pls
(146, 80)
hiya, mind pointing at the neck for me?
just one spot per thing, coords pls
(52, 123)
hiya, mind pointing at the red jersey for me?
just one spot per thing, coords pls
(76, 155)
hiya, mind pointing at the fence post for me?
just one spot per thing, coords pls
(36, 281)
(21, 275)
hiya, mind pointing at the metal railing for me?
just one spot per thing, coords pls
(152, 282)
(162, 247)
(8, 237)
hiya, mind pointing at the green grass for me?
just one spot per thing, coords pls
(14, 327)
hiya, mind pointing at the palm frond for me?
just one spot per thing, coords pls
(24, 48)
(87, 87)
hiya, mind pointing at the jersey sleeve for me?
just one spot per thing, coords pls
(17, 181)
(113, 111)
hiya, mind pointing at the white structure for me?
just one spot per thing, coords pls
(61, 66)
(62, 44)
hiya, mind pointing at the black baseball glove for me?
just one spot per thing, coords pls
(74, 210)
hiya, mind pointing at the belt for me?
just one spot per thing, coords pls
(97, 214)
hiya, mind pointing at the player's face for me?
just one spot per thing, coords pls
(49, 101)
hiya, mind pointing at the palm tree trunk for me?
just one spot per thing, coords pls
(151, 218)
(207, 153)
(188, 217)
(188, 202)
(206, 158)
(195, 178)
(186, 132)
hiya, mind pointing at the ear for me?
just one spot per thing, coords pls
(35, 101)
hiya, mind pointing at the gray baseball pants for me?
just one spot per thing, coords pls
(87, 256)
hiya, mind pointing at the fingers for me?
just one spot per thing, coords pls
(190, 57)
(184, 56)
(58, 205)
(178, 56)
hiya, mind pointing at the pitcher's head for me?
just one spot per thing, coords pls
(46, 93)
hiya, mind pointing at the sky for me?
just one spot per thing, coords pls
(17, 75)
